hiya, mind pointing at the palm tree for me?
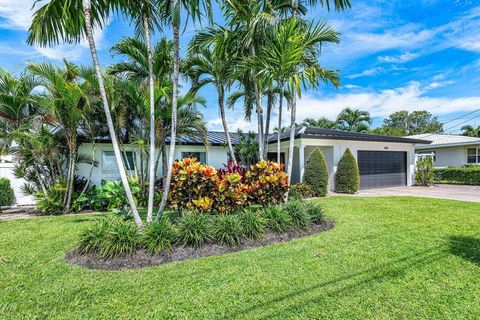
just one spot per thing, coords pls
(205, 67)
(470, 131)
(66, 21)
(354, 120)
(170, 11)
(321, 122)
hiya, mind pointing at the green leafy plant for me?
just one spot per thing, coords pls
(301, 191)
(7, 195)
(469, 175)
(93, 237)
(315, 212)
(227, 230)
(194, 229)
(277, 219)
(267, 182)
(316, 173)
(424, 172)
(347, 178)
(52, 202)
(253, 224)
(122, 238)
(159, 236)
(300, 219)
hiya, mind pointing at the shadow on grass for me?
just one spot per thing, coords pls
(466, 247)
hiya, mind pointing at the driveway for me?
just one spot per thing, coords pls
(441, 191)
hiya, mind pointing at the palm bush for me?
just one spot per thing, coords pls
(159, 236)
(6, 193)
(277, 219)
(347, 178)
(227, 230)
(299, 217)
(194, 229)
(253, 225)
(92, 238)
(316, 173)
(122, 238)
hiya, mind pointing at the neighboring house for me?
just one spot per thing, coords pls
(383, 161)
(449, 150)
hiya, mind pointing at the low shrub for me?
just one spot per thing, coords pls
(301, 191)
(347, 177)
(315, 211)
(52, 203)
(121, 238)
(227, 230)
(267, 183)
(424, 172)
(194, 229)
(111, 195)
(467, 175)
(253, 225)
(93, 237)
(300, 219)
(159, 236)
(277, 219)
(7, 195)
(316, 173)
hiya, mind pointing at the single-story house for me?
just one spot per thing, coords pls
(449, 150)
(384, 161)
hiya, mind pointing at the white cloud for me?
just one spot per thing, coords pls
(351, 86)
(399, 58)
(367, 73)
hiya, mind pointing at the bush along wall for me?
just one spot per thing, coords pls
(466, 175)
(424, 172)
(316, 173)
(347, 177)
(7, 196)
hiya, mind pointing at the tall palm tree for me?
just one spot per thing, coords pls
(66, 21)
(321, 122)
(205, 67)
(170, 11)
(470, 131)
(354, 120)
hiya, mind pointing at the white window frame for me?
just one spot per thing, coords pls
(185, 154)
(125, 159)
(477, 155)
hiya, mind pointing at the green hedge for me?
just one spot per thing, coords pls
(465, 175)
(6, 193)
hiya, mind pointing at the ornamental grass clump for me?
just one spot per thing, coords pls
(194, 229)
(347, 178)
(159, 236)
(315, 212)
(316, 173)
(300, 219)
(227, 230)
(253, 224)
(277, 219)
(122, 238)
(93, 237)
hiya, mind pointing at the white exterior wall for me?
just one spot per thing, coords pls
(6, 171)
(216, 156)
(449, 156)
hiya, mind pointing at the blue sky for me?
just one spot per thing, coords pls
(394, 55)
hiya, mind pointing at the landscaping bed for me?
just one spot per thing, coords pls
(142, 259)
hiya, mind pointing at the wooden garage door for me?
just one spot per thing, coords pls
(380, 169)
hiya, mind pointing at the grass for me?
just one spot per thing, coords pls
(386, 258)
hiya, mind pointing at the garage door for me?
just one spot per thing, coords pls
(379, 169)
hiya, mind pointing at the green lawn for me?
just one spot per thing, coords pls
(386, 258)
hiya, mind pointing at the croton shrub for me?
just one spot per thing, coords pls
(195, 186)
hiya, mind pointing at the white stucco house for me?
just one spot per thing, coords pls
(449, 150)
(383, 161)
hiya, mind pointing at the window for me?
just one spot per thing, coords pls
(109, 163)
(473, 155)
(200, 156)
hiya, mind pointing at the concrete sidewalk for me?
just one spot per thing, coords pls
(441, 191)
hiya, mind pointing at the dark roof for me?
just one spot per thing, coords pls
(214, 138)
(332, 134)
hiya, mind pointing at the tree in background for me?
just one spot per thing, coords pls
(404, 123)
(354, 120)
(470, 131)
(347, 177)
(321, 122)
(316, 173)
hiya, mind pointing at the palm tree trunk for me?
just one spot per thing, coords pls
(176, 60)
(69, 177)
(40, 180)
(106, 108)
(224, 122)
(258, 103)
(292, 139)
(94, 148)
(280, 111)
(267, 124)
(151, 171)
(72, 178)
(164, 158)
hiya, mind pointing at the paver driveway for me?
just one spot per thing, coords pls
(441, 191)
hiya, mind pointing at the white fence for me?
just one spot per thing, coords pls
(6, 171)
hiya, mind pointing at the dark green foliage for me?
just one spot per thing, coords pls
(316, 173)
(122, 238)
(300, 219)
(194, 229)
(93, 237)
(347, 178)
(159, 236)
(301, 191)
(227, 230)
(467, 175)
(315, 211)
(277, 219)
(424, 172)
(52, 203)
(253, 224)
(6, 193)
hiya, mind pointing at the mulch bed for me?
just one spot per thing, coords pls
(141, 259)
